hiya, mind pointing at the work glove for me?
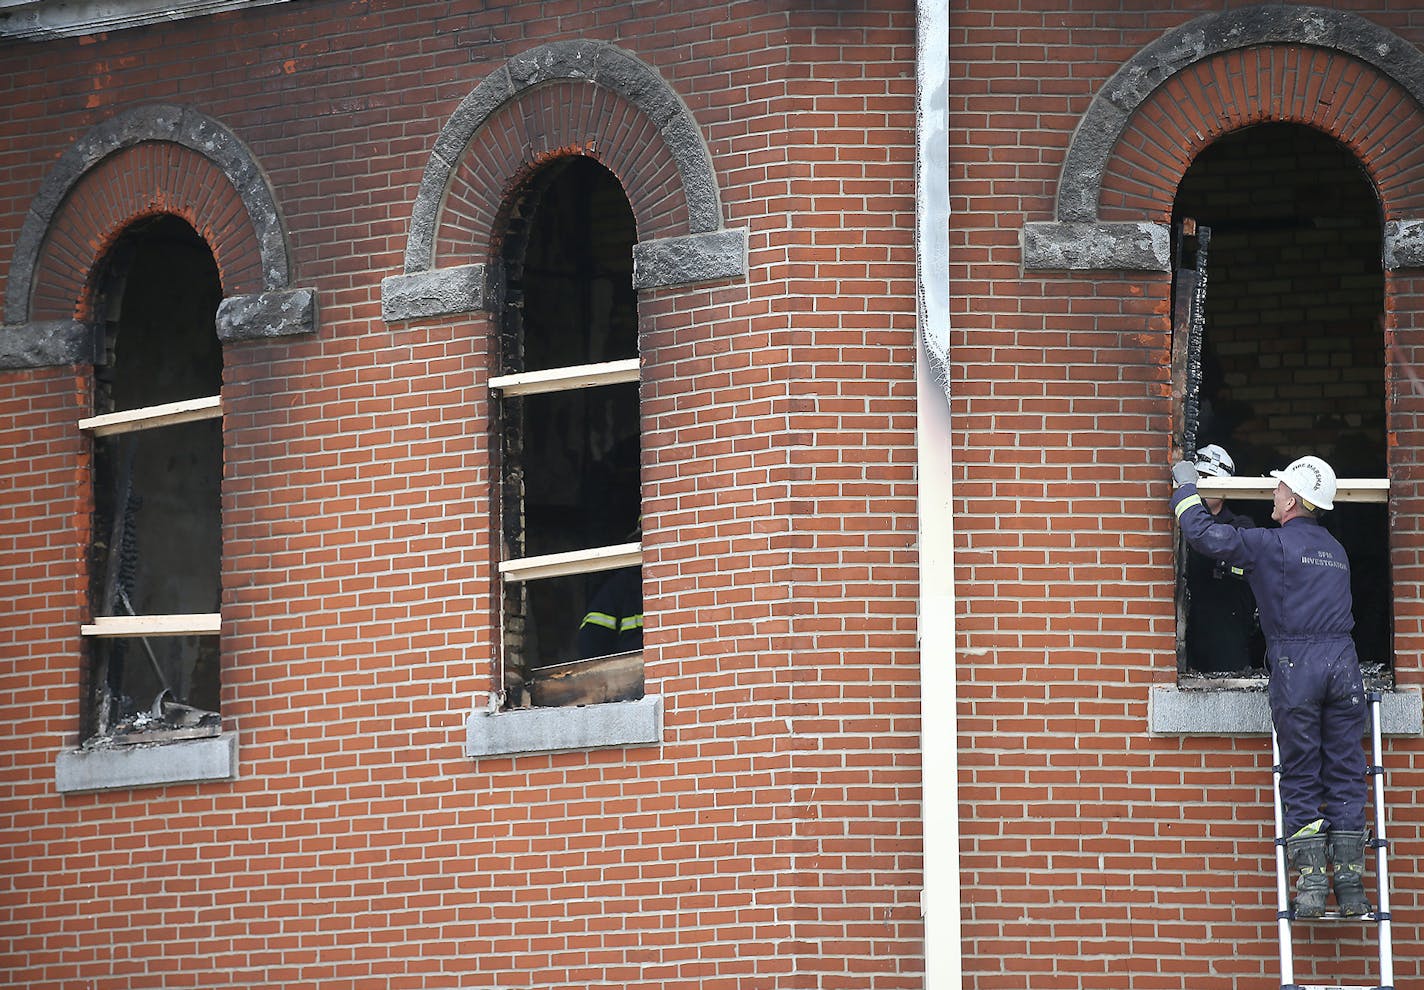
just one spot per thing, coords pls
(1184, 473)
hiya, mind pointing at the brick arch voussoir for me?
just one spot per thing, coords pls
(1372, 50)
(571, 97)
(150, 159)
(134, 183)
(1333, 92)
(562, 118)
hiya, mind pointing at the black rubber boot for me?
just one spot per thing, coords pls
(1347, 852)
(1312, 885)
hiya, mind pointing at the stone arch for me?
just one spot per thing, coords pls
(146, 160)
(1108, 115)
(1215, 74)
(569, 97)
(1368, 113)
(133, 182)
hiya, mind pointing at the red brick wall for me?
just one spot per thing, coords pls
(774, 838)
(42, 534)
(1096, 855)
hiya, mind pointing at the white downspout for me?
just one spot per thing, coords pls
(939, 734)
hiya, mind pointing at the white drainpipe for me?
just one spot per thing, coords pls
(940, 903)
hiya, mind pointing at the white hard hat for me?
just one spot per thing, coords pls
(1212, 460)
(1310, 478)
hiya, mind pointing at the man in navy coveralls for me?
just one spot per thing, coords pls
(1301, 579)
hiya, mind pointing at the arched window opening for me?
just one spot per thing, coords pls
(568, 442)
(157, 445)
(1291, 361)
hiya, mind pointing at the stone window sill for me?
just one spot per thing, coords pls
(1177, 711)
(152, 765)
(614, 725)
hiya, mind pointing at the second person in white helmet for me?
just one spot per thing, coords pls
(1221, 610)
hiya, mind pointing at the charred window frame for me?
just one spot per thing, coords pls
(1278, 351)
(152, 637)
(568, 444)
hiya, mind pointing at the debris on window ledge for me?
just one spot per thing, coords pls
(1377, 676)
(165, 721)
(598, 680)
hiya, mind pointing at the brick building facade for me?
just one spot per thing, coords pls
(348, 347)
(1117, 802)
(262, 267)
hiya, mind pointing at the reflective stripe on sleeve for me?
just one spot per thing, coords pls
(601, 619)
(1187, 503)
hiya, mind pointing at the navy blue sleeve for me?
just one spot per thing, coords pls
(1217, 540)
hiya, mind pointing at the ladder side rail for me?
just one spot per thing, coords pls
(1381, 844)
(1283, 908)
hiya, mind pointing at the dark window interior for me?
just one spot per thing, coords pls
(156, 529)
(1293, 350)
(569, 459)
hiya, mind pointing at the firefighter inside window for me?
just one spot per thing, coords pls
(614, 620)
(1223, 633)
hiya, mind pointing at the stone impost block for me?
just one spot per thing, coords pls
(1097, 246)
(672, 261)
(267, 314)
(46, 343)
(438, 292)
(1403, 244)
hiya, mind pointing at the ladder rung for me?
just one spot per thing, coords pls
(1332, 986)
(1336, 916)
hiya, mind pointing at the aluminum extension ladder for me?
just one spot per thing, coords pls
(1285, 911)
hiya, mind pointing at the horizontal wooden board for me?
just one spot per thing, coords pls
(197, 624)
(1346, 490)
(591, 561)
(566, 379)
(153, 417)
